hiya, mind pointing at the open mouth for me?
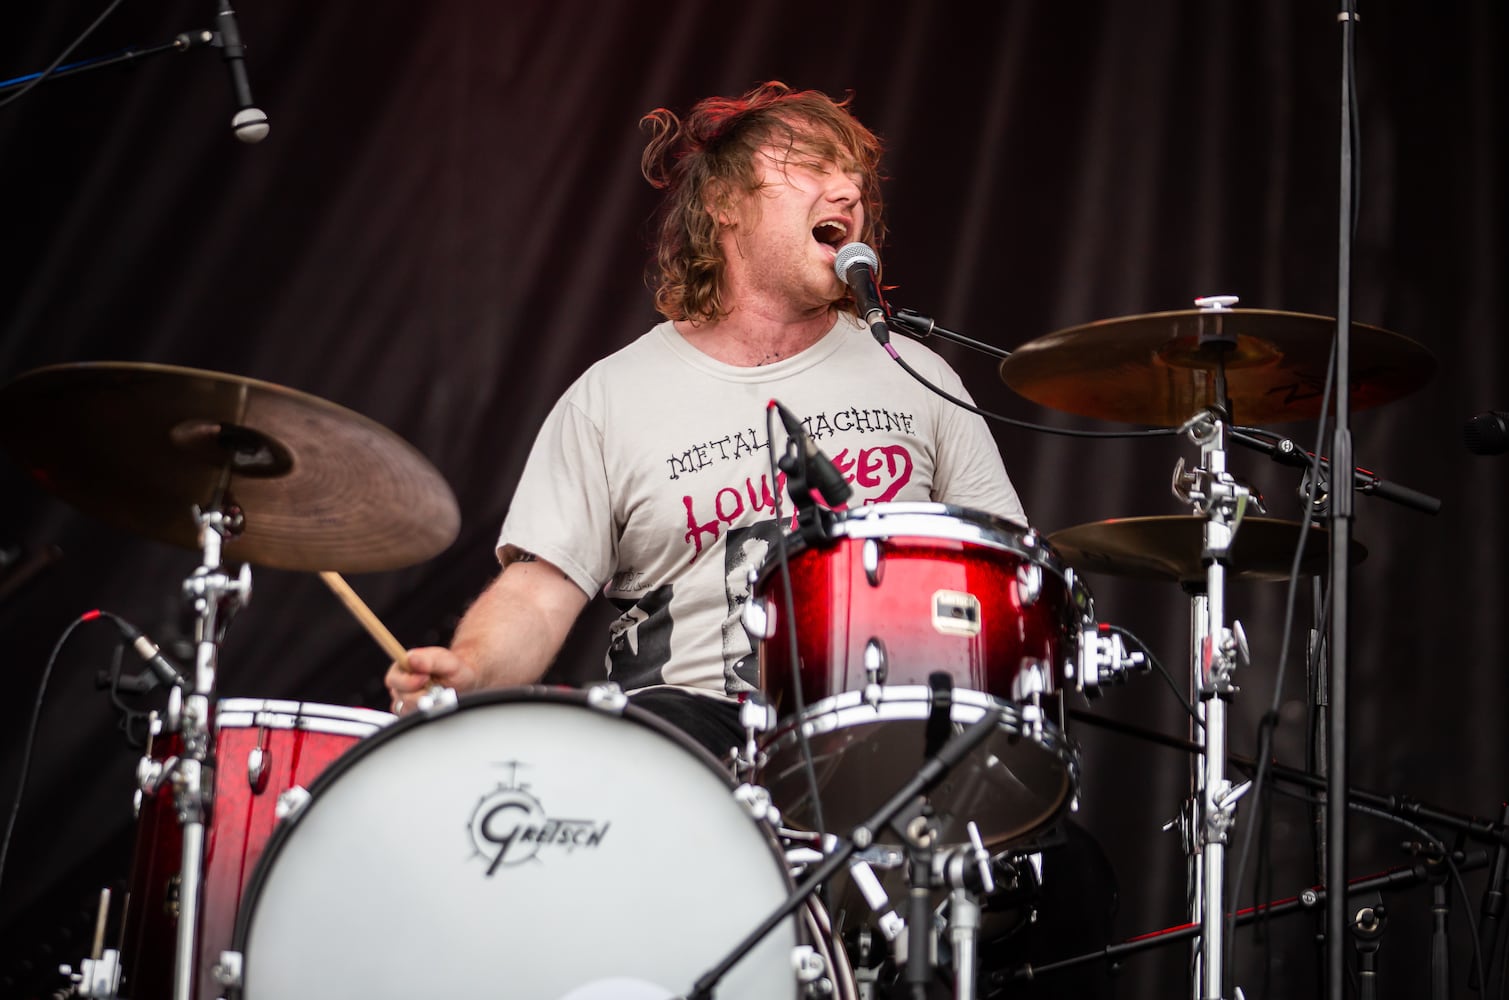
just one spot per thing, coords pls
(831, 233)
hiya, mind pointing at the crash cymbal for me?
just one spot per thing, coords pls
(139, 445)
(1168, 548)
(1161, 368)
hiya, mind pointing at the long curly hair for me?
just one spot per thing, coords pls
(706, 161)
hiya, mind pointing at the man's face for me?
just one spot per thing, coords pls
(787, 231)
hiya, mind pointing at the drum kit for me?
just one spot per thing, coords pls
(909, 737)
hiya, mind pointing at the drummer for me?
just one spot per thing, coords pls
(650, 479)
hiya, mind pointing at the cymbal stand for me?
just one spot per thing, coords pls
(1222, 501)
(215, 598)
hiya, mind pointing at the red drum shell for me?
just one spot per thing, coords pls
(936, 588)
(298, 741)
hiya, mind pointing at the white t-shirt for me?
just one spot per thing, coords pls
(650, 479)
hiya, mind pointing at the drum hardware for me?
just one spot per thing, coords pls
(933, 771)
(99, 975)
(968, 873)
(1104, 659)
(1369, 918)
(1215, 656)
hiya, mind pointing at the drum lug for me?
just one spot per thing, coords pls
(257, 763)
(756, 801)
(437, 699)
(228, 970)
(607, 697)
(291, 803)
(870, 559)
(758, 619)
(811, 972)
(1029, 584)
(877, 667)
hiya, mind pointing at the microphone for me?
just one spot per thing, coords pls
(148, 651)
(856, 265)
(822, 474)
(249, 122)
(1487, 433)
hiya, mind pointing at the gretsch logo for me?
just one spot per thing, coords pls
(509, 826)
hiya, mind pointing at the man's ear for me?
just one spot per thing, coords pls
(718, 201)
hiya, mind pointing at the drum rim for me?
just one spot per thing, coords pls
(307, 716)
(821, 719)
(587, 698)
(905, 519)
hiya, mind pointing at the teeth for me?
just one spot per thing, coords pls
(830, 232)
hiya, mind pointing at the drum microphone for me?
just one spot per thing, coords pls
(856, 265)
(249, 122)
(1487, 433)
(822, 475)
(147, 650)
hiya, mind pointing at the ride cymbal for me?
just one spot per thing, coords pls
(140, 445)
(1168, 548)
(1162, 368)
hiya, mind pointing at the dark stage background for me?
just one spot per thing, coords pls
(447, 224)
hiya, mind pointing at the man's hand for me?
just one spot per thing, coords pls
(427, 666)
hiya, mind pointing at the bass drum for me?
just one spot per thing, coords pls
(526, 843)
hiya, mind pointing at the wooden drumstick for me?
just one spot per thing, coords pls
(369, 621)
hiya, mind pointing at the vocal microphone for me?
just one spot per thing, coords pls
(1487, 433)
(856, 265)
(148, 651)
(249, 122)
(822, 474)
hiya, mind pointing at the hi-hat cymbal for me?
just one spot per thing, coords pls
(1168, 548)
(139, 445)
(1161, 368)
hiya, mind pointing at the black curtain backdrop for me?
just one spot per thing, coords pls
(447, 225)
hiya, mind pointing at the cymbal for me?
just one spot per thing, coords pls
(1168, 548)
(139, 445)
(1154, 368)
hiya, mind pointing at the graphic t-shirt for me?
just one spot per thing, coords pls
(651, 480)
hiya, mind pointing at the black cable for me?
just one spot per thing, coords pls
(1025, 424)
(53, 66)
(788, 608)
(31, 734)
(1157, 665)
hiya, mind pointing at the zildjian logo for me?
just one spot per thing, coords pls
(509, 826)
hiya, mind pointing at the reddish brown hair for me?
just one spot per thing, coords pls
(706, 160)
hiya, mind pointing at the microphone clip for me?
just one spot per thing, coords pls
(814, 522)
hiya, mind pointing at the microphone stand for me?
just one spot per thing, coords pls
(1285, 452)
(1305, 901)
(932, 772)
(182, 42)
(1341, 541)
(920, 327)
(1484, 831)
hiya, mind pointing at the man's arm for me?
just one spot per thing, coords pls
(510, 635)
